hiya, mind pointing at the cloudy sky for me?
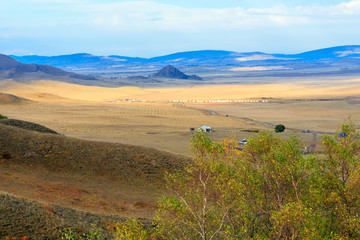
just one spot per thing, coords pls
(158, 27)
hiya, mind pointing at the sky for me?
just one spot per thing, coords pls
(150, 28)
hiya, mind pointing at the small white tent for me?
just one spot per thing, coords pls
(205, 129)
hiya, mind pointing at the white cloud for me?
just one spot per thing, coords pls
(129, 25)
(144, 15)
(155, 16)
(342, 9)
(347, 8)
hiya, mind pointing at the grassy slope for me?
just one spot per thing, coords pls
(11, 99)
(114, 161)
(27, 125)
(21, 217)
(56, 170)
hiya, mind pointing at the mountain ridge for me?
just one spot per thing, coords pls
(123, 70)
(171, 72)
(85, 63)
(322, 53)
(11, 68)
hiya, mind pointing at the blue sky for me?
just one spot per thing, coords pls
(158, 27)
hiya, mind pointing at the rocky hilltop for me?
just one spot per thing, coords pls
(172, 72)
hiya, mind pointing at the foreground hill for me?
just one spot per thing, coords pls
(25, 218)
(11, 99)
(27, 125)
(127, 163)
(55, 174)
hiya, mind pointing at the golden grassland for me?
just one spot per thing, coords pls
(94, 176)
(85, 111)
(57, 91)
(315, 115)
(162, 126)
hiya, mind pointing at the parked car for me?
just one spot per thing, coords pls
(243, 142)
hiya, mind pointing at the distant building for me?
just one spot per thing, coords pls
(205, 129)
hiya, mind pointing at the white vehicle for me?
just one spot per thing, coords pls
(243, 142)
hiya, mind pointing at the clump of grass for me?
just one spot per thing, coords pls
(131, 230)
(250, 130)
(14, 238)
(69, 234)
(3, 117)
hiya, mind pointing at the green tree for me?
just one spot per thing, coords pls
(228, 194)
(203, 199)
(275, 178)
(279, 128)
(131, 229)
(336, 184)
(267, 191)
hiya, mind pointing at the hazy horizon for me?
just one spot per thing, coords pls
(171, 53)
(158, 27)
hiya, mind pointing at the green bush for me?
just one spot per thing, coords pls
(3, 117)
(279, 128)
(131, 230)
(270, 190)
(69, 234)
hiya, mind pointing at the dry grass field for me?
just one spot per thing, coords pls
(91, 113)
(316, 115)
(60, 92)
(160, 125)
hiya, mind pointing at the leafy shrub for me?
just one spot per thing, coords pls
(267, 191)
(131, 230)
(69, 234)
(3, 117)
(279, 128)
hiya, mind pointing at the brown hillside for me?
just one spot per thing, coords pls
(9, 99)
(113, 161)
(21, 217)
(27, 125)
(60, 173)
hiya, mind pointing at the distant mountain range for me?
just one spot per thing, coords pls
(13, 69)
(342, 56)
(210, 66)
